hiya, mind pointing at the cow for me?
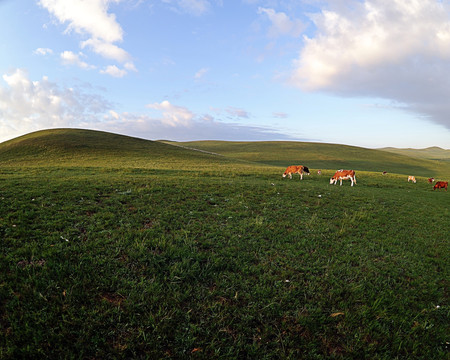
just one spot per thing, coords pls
(412, 178)
(441, 185)
(296, 169)
(319, 172)
(343, 175)
(384, 172)
(430, 180)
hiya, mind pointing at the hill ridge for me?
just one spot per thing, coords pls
(81, 147)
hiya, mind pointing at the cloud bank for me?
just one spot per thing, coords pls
(27, 106)
(387, 49)
(181, 124)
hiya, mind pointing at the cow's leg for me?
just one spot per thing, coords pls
(290, 175)
(351, 179)
(341, 181)
(301, 176)
(354, 179)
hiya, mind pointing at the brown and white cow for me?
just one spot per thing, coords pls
(343, 175)
(430, 180)
(441, 185)
(412, 178)
(296, 169)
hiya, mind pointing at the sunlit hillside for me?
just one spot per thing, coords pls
(325, 156)
(88, 148)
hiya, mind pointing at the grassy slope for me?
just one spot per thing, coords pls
(74, 147)
(325, 156)
(99, 149)
(117, 260)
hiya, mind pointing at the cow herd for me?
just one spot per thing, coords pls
(438, 185)
(350, 175)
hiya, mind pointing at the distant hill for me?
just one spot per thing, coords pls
(324, 156)
(88, 148)
(431, 153)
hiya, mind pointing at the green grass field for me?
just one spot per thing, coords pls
(115, 247)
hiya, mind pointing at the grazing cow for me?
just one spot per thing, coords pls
(441, 185)
(430, 180)
(296, 169)
(343, 175)
(319, 172)
(412, 178)
(384, 172)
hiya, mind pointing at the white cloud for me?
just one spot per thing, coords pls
(130, 66)
(86, 17)
(70, 58)
(114, 71)
(91, 19)
(27, 105)
(202, 72)
(282, 24)
(106, 49)
(43, 51)
(389, 49)
(114, 115)
(173, 115)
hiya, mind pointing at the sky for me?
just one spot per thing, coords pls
(370, 73)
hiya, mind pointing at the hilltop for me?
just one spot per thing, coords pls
(78, 147)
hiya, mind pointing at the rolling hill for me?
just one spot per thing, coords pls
(325, 156)
(431, 153)
(89, 148)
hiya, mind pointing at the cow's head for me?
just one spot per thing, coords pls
(333, 180)
(306, 170)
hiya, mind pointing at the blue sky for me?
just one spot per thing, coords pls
(369, 73)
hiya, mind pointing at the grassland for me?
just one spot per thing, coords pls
(114, 247)
(331, 156)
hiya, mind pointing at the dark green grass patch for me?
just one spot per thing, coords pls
(142, 263)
